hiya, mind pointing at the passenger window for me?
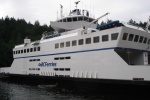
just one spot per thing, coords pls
(21, 51)
(31, 49)
(56, 45)
(88, 40)
(114, 36)
(68, 44)
(145, 40)
(104, 38)
(148, 42)
(96, 39)
(80, 42)
(74, 43)
(18, 51)
(62, 45)
(131, 37)
(125, 35)
(34, 48)
(136, 38)
(14, 52)
(27, 50)
(141, 39)
(38, 48)
(24, 50)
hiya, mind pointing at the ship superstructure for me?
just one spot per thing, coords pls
(114, 51)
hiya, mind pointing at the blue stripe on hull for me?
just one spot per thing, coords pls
(82, 51)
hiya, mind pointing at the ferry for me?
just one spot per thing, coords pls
(82, 52)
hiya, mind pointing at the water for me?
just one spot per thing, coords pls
(15, 91)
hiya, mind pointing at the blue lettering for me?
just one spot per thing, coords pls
(46, 64)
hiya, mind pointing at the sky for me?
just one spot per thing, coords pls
(49, 10)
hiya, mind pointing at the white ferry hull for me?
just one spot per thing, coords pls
(103, 62)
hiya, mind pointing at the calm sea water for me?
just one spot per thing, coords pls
(14, 91)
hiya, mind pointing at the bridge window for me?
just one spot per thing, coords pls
(85, 18)
(74, 43)
(114, 36)
(75, 19)
(141, 39)
(80, 42)
(62, 45)
(96, 39)
(80, 18)
(131, 37)
(56, 45)
(145, 40)
(125, 35)
(64, 20)
(136, 38)
(105, 38)
(69, 19)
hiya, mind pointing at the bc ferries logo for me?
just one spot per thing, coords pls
(46, 64)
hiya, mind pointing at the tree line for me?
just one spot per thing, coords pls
(13, 32)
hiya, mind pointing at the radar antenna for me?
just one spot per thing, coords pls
(76, 4)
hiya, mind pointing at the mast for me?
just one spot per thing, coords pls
(61, 11)
(76, 4)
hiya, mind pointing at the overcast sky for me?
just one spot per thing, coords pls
(46, 10)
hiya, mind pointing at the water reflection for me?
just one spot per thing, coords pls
(16, 91)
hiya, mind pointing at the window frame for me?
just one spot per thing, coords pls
(88, 40)
(56, 45)
(131, 37)
(74, 43)
(96, 39)
(68, 44)
(105, 38)
(80, 41)
(125, 36)
(114, 36)
(62, 44)
(136, 38)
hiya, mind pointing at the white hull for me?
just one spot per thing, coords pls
(93, 61)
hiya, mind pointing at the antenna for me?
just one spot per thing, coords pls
(76, 4)
(61, 11)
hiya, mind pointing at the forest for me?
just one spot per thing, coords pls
(13, 31)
